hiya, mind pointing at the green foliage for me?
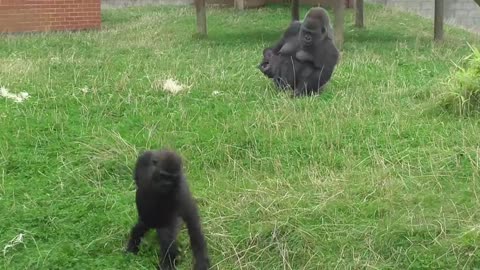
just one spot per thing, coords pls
(463, 94)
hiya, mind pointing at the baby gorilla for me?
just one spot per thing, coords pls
(163, 199)
(287, 72)
(279, 68)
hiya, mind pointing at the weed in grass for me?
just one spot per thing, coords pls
(463, 89)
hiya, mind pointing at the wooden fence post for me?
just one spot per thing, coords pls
(201, 17)
(295, 10)
(438, 20)
(359, 20)
(339, 11)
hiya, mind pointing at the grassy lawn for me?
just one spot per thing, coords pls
(370, 174)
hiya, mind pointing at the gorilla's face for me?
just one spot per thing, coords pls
(266, 66)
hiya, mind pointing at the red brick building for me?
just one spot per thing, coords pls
(48, 15)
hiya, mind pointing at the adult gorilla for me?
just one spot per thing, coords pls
(305, 57)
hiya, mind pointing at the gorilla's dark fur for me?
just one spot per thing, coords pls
(287, 72)
(163, 200)
(305, 57)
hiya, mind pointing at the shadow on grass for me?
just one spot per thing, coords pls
(257, 36)
(376, 36)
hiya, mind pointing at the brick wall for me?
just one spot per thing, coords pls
(47, 15)
(463, 13)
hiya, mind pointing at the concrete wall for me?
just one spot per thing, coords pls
(46, 15)
(463, 13)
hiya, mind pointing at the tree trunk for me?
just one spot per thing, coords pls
(339, 11)
(201, 17)
(438, 20)
(359, 20)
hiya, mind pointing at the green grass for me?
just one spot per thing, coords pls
(372, 174)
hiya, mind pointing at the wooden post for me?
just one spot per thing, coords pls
(438, 20)
(201, 17)
(295, 10)
(339, 11)
(239, 4)
(359, 20)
